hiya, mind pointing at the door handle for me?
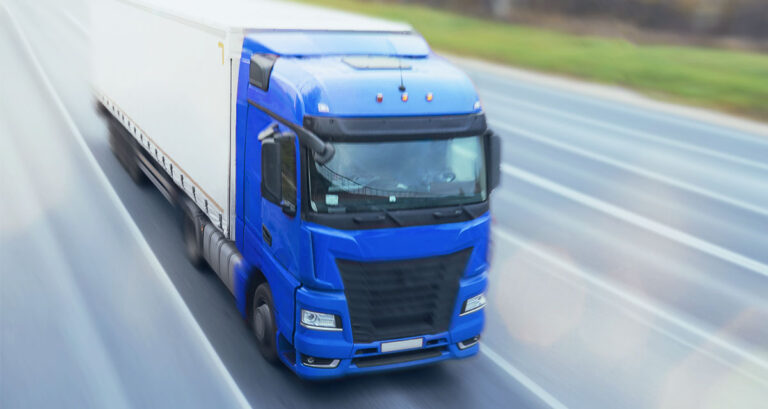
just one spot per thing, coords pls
(266, 235)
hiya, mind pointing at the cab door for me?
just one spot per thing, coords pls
(280, 229)
(275, 229)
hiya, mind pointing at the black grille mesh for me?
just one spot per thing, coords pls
(403, 298)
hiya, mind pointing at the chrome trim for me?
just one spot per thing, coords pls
(402, 345)
(462, 346)
(332, 365)
(320, 328)
(471, 311)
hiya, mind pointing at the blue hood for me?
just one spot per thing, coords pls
(395, 244)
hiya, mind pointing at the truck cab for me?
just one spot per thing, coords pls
(364, 168)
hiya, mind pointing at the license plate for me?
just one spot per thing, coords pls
(401, 345)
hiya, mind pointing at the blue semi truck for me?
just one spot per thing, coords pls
(329, 167)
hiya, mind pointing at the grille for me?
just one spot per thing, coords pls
(403, 298)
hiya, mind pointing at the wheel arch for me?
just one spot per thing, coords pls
(255, 278)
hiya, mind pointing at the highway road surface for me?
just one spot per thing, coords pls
(630, 259)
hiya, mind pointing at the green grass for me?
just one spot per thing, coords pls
(733, 81)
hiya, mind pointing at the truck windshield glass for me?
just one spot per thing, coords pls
(369, 177)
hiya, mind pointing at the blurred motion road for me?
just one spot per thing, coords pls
(630, 260)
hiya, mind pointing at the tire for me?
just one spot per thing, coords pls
(126, 155)
(192, 247)
(263, 323)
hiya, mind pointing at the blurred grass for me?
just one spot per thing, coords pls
(729, 80)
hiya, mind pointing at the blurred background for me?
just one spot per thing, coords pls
(691, 20)
(630, 241)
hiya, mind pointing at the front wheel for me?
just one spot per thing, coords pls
(263, 322)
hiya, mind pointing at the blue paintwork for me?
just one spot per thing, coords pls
(324, 292)
(352, 92)
(412, 242)
(299, 265)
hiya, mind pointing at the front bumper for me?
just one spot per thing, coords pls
(354, 358)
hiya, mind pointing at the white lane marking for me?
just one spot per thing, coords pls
(75, 22)
(521, 378)
(637, 302)
(744, 136)
(87, 351)
(175, 297)
(634, 169)
(627, 131)
(637, 220)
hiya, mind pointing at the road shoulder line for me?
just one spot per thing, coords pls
(121, 209)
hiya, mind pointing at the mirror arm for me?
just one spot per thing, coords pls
(288, 208)
(324, 157)
(268, 132)
(323, 151)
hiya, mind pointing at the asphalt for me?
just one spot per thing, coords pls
(629, 261)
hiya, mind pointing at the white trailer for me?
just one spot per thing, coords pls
(168, 69)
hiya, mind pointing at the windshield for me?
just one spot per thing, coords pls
(365, 177)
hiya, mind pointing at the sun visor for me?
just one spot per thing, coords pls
(317, 43)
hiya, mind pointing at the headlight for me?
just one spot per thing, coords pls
(473, 304)
(320, 321)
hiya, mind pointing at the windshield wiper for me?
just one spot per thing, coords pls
(378, 218)
(394, 219)
(449, 214)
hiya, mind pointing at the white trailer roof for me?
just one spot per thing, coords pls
(267, 15)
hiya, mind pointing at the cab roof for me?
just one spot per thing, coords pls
(333, 86)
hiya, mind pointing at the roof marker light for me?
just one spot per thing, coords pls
(430, 97)
(321, 107)
(478, 105)
(404, 97)
(379, 97)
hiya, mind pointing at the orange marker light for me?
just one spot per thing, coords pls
(379, 97)
(430, 97)
(404, 97)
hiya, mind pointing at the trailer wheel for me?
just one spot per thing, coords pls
(126, 155)
(191, 244)
(263, 322)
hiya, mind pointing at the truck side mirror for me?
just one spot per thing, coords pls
(493, 155)
(271, 182)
